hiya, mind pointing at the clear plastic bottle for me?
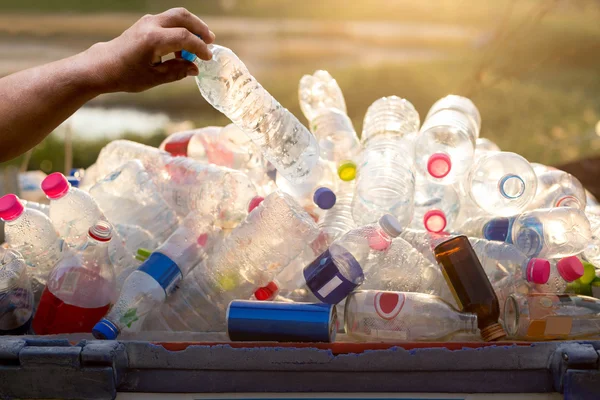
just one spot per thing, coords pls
(128, 196)
(563, 271)
(200, 144)
(273, 234)
(43, 208)
(557, 188)
(323, 105)
(546, 232)
(373, 315)
(501, 183)
(484, 144)
(338, 220)
(80, 288)
(402, 268)
(32, 234)
(422, 241)
(16, 296)
(540, 316)
(226, 84)
(436, 206)
(339, 270)
(592, 251)
(386, 180)
(446, 143)
(186, 184)
(147, 287)
(317, 189)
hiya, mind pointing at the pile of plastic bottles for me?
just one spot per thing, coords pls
(267, 230)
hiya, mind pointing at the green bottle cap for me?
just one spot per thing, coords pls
(589, 273)
(142, 254)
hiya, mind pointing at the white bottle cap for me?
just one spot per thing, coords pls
(390, 225)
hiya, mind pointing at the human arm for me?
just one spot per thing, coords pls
(35, 101)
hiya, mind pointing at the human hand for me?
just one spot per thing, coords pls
(132, 61)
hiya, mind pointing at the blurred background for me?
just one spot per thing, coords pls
(531, 66)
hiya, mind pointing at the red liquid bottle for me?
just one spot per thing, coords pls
(80, 287)
(470, 285)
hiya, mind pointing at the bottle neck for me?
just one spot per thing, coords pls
(467, 322)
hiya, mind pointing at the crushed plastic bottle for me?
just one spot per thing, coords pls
(226, 84)
(372, 315)
(31, 233)
(128, 196)
(16, 295)
(548, 233)
(386, 180)
(80, 288)
(323, 105)
(147, 287)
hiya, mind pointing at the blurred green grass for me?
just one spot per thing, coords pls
(534, 75)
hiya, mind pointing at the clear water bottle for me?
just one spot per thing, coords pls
(484, 144)
(43, 208)
(386, 181)
(317, 189)
(436, 206)
(563, 271)
(16, 296)
(546, 232)
(557, 188)
(339, 270)
(147, 287)
(80, 288)
(338, 220)
(402, 268)
(373, 315)
(422, 241)
(32, 234)
(226, 84)
(501, 183)
(200, 144)
(272, 235)
(592, 251)
(502, 260)
(323, 105)
(446, 143)
(128, 196)
(186, 184)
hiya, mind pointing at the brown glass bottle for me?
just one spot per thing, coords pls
(469, 284)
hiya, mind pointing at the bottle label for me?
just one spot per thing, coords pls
(384, 315)
(544, 323)
(164, 270)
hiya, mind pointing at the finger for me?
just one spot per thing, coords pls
(174, 70)
(182, 18)
(175, 39)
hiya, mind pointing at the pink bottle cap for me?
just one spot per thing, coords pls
(434, 221)
(538, 270)
(266, 292)
(439, 165)
(101, 231)
(10, 207)
(570, 268)
(55, 185)
(256, 200)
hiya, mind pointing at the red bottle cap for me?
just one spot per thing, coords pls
(55, 185)
(439, 165)
(10, 207)
(434, 221)
(570, 268)
(538, 270)
(266, 292)
(256, 200)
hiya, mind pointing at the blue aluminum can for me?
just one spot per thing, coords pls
(270, 321)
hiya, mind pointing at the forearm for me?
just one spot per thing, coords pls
(35, 101)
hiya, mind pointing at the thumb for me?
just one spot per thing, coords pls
(175, 70)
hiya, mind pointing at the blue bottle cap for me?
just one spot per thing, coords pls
(324, 198)
(497, 229)
(74, 181)
(105, 330)
(326, 281)
(186, 55)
